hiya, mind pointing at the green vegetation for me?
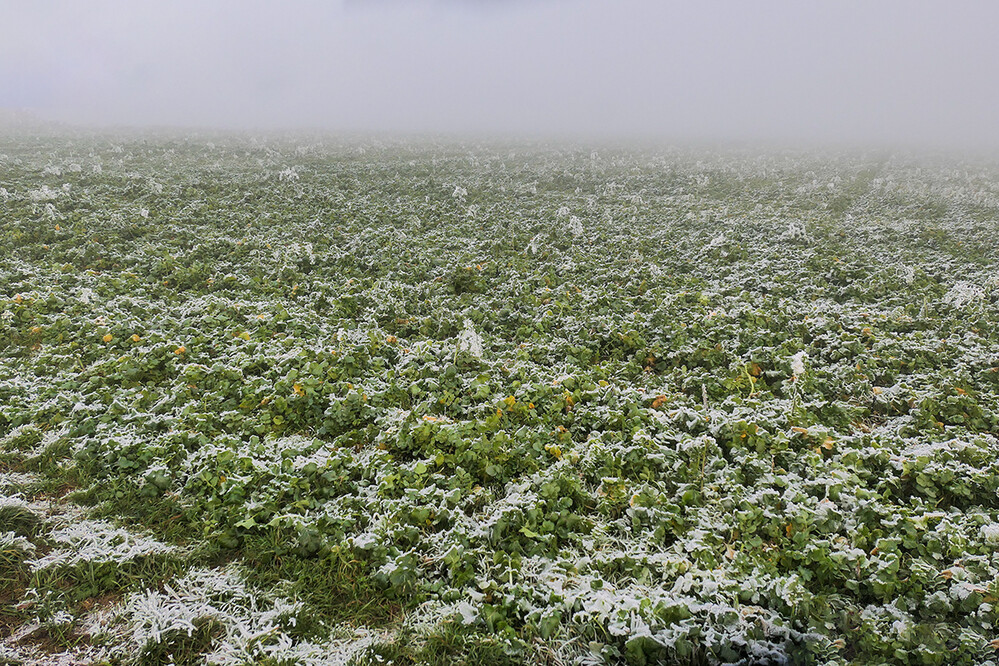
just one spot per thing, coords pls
(325, 402)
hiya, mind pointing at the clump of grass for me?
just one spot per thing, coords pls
(22, 438)
(450, 645)
(14, 551)
(181, 647)
(124, 503)
(18, 518)
(51, 458)
(334, 586)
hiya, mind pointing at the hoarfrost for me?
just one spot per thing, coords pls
(44, 193)
(798, 364)
(10, 541)
(991, 533)
(251, 627)
(962, 294)
(796, 231)
(532, 247)
(97, 541)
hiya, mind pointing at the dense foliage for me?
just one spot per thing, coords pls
(604, 406)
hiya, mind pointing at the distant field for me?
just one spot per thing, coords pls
(299, 401)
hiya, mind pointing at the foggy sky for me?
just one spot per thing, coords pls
(925, 73)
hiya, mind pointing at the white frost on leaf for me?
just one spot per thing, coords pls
(798, 364)
(469, 341)
(962, 294)
(991, 533)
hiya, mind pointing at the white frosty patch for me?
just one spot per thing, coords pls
(991, 533)
(9, 479)
(798, 363)
(469, 341)
(252, 627)
(796, 231)
(963, 293)
(10, 541)
(97, 541)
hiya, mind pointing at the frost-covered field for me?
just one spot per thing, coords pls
(280, 401)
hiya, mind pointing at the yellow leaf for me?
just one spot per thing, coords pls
(298, 389)
(180, 350)
(135, 337)
(107, 337)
